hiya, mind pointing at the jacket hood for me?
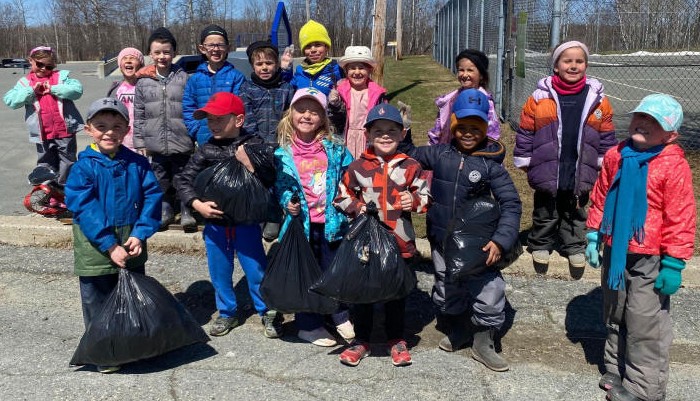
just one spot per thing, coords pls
(490, 149)
(369, 155)
(149, 71)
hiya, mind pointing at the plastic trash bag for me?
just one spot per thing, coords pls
(368, 266)
(291, 270)
(467, 236)
(237, 192)
(140, 319)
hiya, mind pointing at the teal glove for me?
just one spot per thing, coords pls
(592, 249)
(669, 279)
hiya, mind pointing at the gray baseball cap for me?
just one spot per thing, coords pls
(108, 104)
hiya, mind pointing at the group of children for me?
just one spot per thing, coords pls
(330, 138)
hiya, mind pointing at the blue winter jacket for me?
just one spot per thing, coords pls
(324, 80)
(288, 182)
(201, 85)
(107, 194)
(459, 176)
(264, 108)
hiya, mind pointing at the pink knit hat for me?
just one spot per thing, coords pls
(567, 45)
(129, 51)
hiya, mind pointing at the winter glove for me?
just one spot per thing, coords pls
(406, 114)
(669, 279)
(592, 249)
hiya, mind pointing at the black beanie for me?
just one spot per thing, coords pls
(261, 44)
(162, 35)
(213, 30)
(480, 61)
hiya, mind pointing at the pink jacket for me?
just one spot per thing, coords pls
(374, 91)
(669, 228)
(440, 133)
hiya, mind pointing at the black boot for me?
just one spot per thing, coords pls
(167, 215)
(484, 351)
(187, 221)
(459, 334)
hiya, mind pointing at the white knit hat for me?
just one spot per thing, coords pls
(567, 45)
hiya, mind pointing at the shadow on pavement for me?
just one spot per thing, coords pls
(584, 325)
(171, 360)
(198, 298)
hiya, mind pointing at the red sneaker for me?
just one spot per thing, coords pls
(399, 353)
(354, 354)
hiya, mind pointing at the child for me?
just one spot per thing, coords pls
(317, 70)
(310, 163)
(214, 74)
(397, 184)
(472, 73)
(470, 166)
(266, 96)
(643, 210)
(50, 114)
(225, 114)
(159, 129)
(130, 60)
(359, 94)
(115, 199)
(565, 128)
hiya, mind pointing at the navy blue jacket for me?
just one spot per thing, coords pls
(264, 108)
(458, 176)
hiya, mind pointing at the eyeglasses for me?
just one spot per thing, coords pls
(41, 66)
(214, 46)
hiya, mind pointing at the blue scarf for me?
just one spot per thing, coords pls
(626, 208)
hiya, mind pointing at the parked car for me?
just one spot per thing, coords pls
(15, 63)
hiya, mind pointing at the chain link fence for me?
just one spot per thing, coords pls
(638, 47)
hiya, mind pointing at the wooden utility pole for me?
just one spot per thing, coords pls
(378, 34)
(399, 29)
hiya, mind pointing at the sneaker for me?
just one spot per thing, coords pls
(399, 353)
(609, 380)
(540, 261)
(272, 320)
(222, 326)
(346, 330)
(320, 337)
(354, 354)
(108, 369)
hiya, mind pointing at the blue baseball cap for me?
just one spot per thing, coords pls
(665, 110)
(471, 102)
(384, 111)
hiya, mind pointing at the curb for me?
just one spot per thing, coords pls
(36, 230)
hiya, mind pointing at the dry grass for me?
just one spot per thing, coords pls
(418, 80)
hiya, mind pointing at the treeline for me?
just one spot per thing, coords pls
(95, 29)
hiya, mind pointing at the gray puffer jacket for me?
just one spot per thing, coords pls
(158, 122)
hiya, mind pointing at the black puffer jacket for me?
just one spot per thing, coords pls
(217, 150)
(458, 176)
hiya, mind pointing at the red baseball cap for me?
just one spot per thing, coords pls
(221, 104)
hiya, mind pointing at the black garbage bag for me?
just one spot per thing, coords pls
(466, 236)
(291, 270)
(140, 319)
(368, 266)
(237, 192)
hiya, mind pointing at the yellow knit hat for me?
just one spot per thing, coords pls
(311, 32)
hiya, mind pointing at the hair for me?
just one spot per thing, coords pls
(39, 54)
(480, 60)
(266, 52)
(285, 129)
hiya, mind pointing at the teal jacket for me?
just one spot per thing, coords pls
(67, 90)
(288, 182)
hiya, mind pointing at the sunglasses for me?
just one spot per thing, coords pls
(41, 66)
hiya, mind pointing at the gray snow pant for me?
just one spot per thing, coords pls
(639, 327)
(483, 295)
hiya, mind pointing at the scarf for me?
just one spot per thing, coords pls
(314, 69)
(271, 83)
(626, 208)
(565, 88)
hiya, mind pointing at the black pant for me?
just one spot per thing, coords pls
(394, 320)
(166, 167)
(562, 217)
